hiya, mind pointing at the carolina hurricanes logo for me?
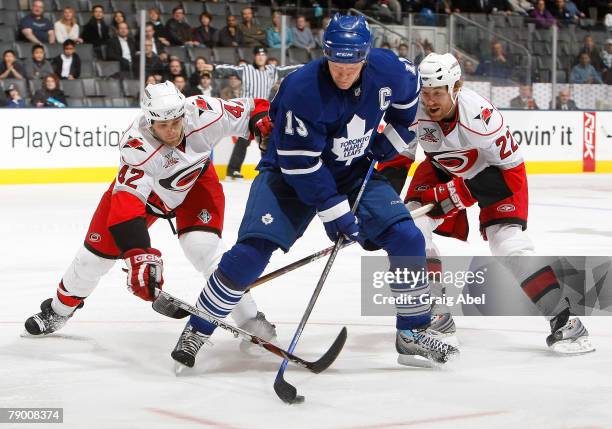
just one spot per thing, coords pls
(457, 162)
(135, 144)
(485, 115)
(429, 135)
(505, 208)
(184, 179)
(202, 104)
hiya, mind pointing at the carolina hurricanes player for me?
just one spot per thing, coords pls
(471, 158)
(165, 171)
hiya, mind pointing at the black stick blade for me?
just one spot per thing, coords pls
(165, 305)
(286, 392)
(330, 356)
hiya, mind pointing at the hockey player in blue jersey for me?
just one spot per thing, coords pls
(325, 136)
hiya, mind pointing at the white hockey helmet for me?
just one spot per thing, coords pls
(440, 70)
(162, 102)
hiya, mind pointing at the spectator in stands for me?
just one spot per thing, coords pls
(481, 6)
(35, 28)
(95, 31)
(562, 15)
(37, 66)
(230, 35)
(153, 64)
(201, 67)
(50, 95)
(205, 86)
(542, 16)
(253, 34)
(151, 80)
(181, 84)
(302, 36)
(67, 65)
(205, 33)
(584, 72)
(14, 99)
(564, 102)
(573, 10)
(520, 7)
(606, 56)
(427, 49)
(468, 68)
(175, 68)
(233, 88)
(525, 100)
(158, 44)
(273, 36)
(591, 50)
(403, 51)
(608, 18)
(122, 48)
(179, 32)
(11, 67)
(497, 65)
(67, 28)
(118, 18)
(319, 36)
(160, 28)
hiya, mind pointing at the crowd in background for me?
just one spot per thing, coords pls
(116, 41)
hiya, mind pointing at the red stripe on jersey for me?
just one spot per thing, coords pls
(138, 165)
(434, 265)
(486, 134)
(124, 207)
(398, 162)
(65, 298)
(541, 282)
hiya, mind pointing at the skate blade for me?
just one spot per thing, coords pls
(417, 361)
(578, 347)
(181, 370)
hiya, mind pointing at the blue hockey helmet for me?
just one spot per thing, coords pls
(347, 39)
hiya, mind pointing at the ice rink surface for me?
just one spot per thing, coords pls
(110, 366)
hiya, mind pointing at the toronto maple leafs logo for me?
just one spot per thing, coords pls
(267, 219)
(355, 143)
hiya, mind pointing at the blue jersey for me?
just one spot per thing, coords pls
(323, 135)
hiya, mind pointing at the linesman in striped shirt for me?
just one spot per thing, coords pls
(258, 79)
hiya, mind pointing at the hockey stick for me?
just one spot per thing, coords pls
(321, 253)
(181, 314)
(283, 389)
(167, 304)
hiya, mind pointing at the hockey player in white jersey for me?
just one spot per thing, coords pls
(472, 158)
(165, 172)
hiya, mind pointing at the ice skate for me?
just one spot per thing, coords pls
(423, 347)
(187, 348)
(568, 336)
(47, 321)
(260, 327)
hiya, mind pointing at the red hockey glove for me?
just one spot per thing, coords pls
(448, 198)
(144, 272)
(262, 132)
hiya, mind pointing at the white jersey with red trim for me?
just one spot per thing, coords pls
(477, 138)
(147, 165)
